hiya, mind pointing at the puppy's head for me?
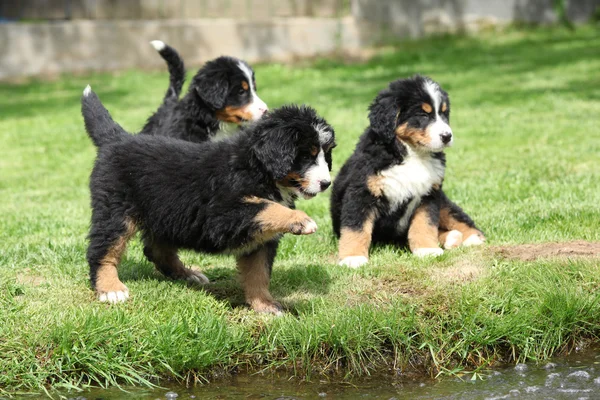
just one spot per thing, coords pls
(415, 111)
(227, 85)
(294, 145)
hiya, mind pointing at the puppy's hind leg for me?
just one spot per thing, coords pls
(107, 245)
(167, 261)
(255, 272)
(454, 219)
(423, 229)
(450, 239)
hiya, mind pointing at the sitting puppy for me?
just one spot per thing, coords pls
(390, 189)
(231, 196)
(223, 91)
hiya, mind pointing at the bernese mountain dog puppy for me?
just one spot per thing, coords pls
(234, 195)
(390, 189)
(223, 91)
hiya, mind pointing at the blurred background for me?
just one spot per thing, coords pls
(41, 37)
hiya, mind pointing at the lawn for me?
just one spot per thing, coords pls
(525, 114)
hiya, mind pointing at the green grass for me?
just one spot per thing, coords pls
(526, 111)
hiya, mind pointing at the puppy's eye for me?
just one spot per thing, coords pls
(242, 91)
(306, 156)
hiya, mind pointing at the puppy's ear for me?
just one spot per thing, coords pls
(383, 115)
(276, 148)
(212, 87)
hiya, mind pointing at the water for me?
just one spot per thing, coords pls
(574, 377)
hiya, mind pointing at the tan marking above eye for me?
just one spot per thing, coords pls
(245, 85)
(427, 107)
(444, 107)
(314, 150)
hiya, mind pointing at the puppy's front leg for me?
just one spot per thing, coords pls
(255, 276)
(275, 218)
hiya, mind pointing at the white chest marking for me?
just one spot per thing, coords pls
(412, 179)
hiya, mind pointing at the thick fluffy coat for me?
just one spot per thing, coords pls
(230, 196)
(222, 91)
(390, 189)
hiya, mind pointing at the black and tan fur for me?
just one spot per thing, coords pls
(390, 189)
(232, 196)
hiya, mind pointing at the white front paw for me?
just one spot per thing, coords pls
(354, 261)
(473, 240)
(309, 228)
(114, 297)
(428, 252)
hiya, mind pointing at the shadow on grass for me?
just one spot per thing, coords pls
(288, 281)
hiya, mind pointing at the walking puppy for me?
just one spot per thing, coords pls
(231, 196)
(223, 90)
(390, 189)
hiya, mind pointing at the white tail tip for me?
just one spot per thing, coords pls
(158, 44)
(87, 90)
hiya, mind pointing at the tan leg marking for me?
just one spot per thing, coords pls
(354, 244)
(275, 219)
(255, 279)
(167, 261)
(471, 236)
(423, 235)
(108, 286)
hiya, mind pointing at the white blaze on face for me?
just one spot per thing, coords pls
(439, 127)
(317, 174)
(324, 133)
(257, 107)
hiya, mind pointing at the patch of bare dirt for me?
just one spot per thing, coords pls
(532, 252)
(27, 277)
(466, 269)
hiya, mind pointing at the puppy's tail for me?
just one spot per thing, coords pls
(175, 65)
(100, 126)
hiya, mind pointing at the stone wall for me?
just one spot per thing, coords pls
(110, 44)
(50, 48)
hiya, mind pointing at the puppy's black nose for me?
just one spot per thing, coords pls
(324, 184)
(446, 137)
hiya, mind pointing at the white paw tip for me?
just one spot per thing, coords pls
(310, 227)
(87, 90)
(354, 261)
(473, 240)
(453, 239)
(428, 252)
(158, 44)
(199, 278)
(114, 297)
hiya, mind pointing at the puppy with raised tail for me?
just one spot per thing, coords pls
(231, 196)
(223, 92)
